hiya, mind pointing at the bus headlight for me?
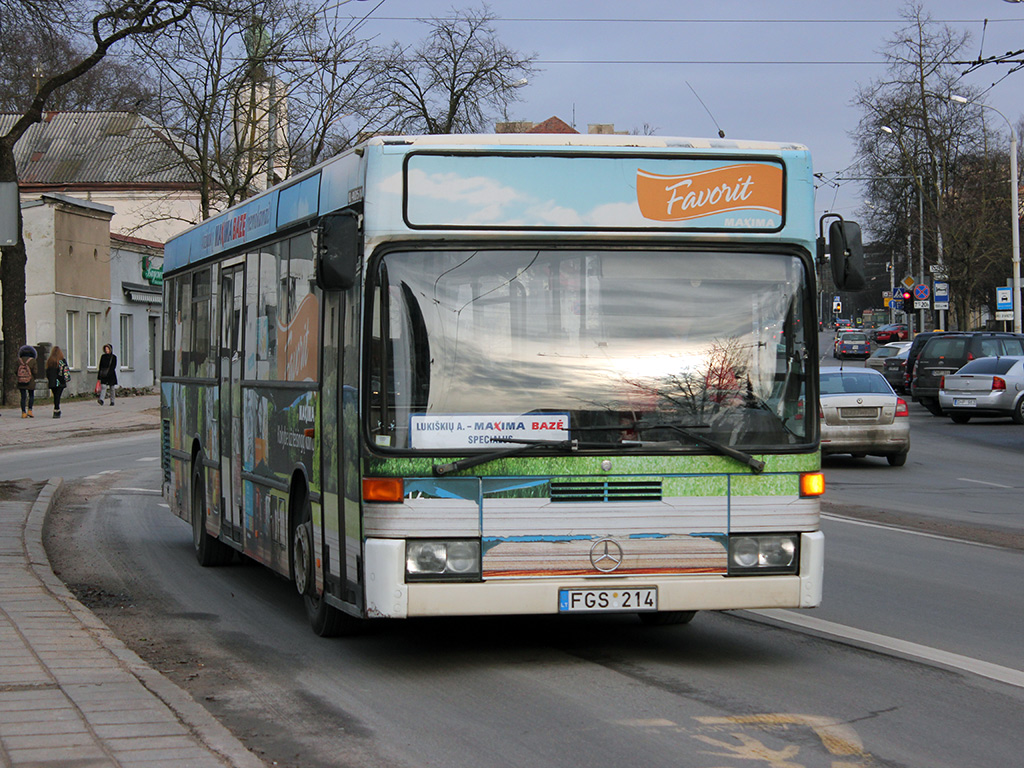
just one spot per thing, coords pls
(442, 560)
(757, 554)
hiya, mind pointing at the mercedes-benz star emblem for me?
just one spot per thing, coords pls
(606, 555)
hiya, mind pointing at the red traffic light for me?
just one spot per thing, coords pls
(906, 295)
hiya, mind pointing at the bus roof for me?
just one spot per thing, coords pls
(585, 140)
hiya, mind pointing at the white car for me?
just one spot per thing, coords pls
(862, 416)
(987, 386)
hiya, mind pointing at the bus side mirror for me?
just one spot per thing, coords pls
(847, 254)
(339, 251)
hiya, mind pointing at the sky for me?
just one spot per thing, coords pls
(777, 70)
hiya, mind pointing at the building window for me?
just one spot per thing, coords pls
(71, 340)
(127, 343)
(92, 331)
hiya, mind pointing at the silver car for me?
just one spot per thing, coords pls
(878, 357)
(987, 386)
(862, 416)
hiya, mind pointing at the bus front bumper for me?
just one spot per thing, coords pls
(389, 596)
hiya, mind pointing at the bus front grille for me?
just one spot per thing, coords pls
(600, 491)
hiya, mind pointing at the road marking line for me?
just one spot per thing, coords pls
(911, 531)
(983, 482)
(149, 458)
(995, 672)
(147, 491)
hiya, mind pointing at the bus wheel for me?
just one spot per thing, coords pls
(326, 620)
(209, 551)
(665, 618)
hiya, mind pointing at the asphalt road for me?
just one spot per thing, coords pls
(900, 666)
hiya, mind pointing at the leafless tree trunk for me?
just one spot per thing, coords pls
(110, 26)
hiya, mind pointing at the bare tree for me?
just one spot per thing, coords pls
(109, 25)
(32, 52)
(921, 153)
(259, 89)
(456, 80)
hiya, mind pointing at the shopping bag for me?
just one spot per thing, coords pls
(99, 386)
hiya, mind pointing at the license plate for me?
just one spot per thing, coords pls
(607, 600)
(964, 402)
(858, 413)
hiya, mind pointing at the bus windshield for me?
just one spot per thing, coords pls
(473, 347)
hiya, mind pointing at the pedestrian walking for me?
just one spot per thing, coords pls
(58, 376)
(107, 375)
(27, 379)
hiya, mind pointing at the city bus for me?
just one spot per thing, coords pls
(508, 375)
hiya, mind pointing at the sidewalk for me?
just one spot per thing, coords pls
(71, 694)
(79, 418)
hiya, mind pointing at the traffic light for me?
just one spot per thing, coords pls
(907, 296)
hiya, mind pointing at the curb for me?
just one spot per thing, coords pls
(189, 712)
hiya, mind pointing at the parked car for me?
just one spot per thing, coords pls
(916, 346)
(862, 416)
(894, 368)
(949, 352)
(988, 386)
(891, 332)
(851, 344)
(883, 353)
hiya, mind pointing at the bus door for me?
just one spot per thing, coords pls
(232, 288)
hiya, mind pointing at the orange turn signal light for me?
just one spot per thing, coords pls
(812, 484)
(383, 489)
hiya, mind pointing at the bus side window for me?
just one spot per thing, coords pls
(171, 320)
(303, 341)
(252, 294)
(268, 312)
(201, 362)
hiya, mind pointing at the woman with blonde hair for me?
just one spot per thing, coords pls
(57, 376)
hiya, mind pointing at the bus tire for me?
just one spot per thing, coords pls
(325, 620)
(209, 550)
(666, 618)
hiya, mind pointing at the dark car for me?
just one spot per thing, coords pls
(915, 349)
(949, 352)
(893, 369)
(892, 332)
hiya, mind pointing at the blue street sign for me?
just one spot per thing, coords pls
(921, 292)
(1004, 298)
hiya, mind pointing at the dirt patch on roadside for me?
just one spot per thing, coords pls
(20, 490)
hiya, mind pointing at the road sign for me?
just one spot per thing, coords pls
(1004, 299)
(938, 271)
(921, 304)
(907, 281)
(921, 292)
(896, 304)
(941, 300)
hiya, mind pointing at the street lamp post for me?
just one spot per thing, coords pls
(1014, 205)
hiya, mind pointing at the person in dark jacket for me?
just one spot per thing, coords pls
(108, 373)
(57, 377)
(27, 380)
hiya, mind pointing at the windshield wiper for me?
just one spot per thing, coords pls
(440, 470)
(756, 465)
